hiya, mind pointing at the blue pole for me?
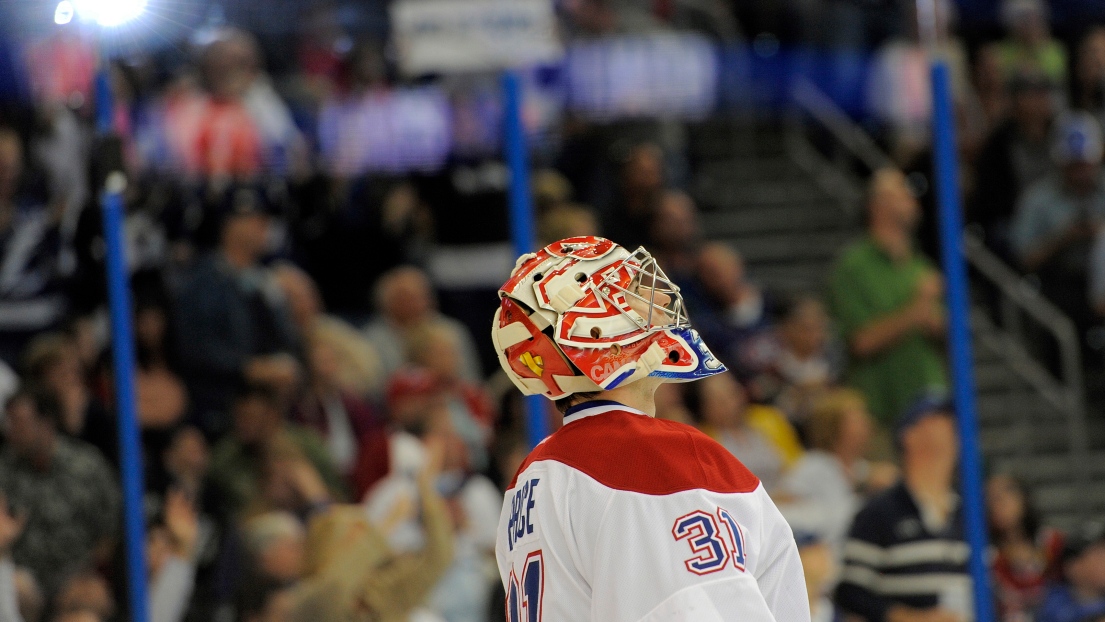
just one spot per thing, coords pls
(122, 343)
(105, 105)
(946, 165)
(521, 218)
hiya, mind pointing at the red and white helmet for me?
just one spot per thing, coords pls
(584, 314)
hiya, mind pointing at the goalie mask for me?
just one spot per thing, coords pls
(584, 314)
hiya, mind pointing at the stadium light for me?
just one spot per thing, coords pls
(106, 13)
(64, 13)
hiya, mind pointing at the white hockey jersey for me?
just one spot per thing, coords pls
(622, 517)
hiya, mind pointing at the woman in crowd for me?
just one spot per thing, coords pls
(828, 484)
(1026, 555)
(720, 407)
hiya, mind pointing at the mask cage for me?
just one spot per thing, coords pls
(647, 289)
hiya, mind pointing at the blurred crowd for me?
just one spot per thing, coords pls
(322, 436)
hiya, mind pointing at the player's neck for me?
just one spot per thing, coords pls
(640, 395)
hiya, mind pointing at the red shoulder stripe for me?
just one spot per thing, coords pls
(637, 453)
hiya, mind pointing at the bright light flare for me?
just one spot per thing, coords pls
(64, 13)
(109, 13)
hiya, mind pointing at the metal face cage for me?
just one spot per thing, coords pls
(654, 298)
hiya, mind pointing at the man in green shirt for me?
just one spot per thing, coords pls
(1029, 45)
(887, 301)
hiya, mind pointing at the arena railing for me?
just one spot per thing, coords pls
(853, 148)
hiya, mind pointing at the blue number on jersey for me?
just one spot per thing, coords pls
(701, 532)
(736, 537)
(712, 547)
(523, 600)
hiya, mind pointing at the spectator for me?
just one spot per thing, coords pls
(474, 503)
(28, 596)
(1029, 45)
(641, 183)
(170, 558)
(348, 570)
(235, 56)
(820, 568)
(52, 361)
(1080, 597)
(64, 487)
(567, 220)
(720, 407)
(898, 91)
(991, 88)
(365, 79)
(186, 460)
(1090, 74)
(276, 542)
(832, 478)
(11, 527)
(32, 295)
(238, 462)
(357, 366)
(405, 304)
(32, 603)
(86, 591)
(906, 558)
(210, 135)
(232, 327)
(1027, 554)
(886, 300)
(794, 361)
(437, 351)
(184, 476)
(551, 189)
(354, 433)
(1058, 217)
(289, 483)
(728, 308)
(1015, 156)
(241, 127)
(674, 234)
(160, 393)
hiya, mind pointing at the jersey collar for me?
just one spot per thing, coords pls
(596, 407)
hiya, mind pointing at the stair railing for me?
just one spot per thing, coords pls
(1019, 299)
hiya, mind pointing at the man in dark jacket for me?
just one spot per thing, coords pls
(233, 323)
(1017, 154)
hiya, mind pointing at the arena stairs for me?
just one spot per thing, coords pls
(789, 211)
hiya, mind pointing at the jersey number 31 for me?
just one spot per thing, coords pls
(523, 599)
(711, 546)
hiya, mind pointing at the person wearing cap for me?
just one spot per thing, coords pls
(1016, 155)
(1059, 216)
(1030, 44)
(233, 324)
(906, 559)
(887, 301)
(1081, 596)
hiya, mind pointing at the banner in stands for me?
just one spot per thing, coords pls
(668, 75)
(386, 131)
(445, 36)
